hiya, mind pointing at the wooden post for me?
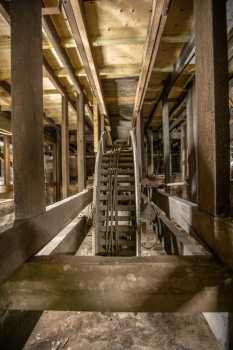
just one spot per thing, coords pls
(7, 164)
(65, 147)
(81, 144)
(183, 158)
(213, 110)
(27, 108)
(140, 144)
(96, 124)
(101, 124)
(191, 145)
(166, 141)
(150, 138)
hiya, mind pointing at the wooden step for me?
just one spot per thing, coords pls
(120, 165)
(126, 188)
(120, 228)
(120, 171)
(119, 218)
(121, 197)
(120, 179)
(126, 207)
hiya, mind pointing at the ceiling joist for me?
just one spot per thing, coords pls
(76, 19)
(156, 28)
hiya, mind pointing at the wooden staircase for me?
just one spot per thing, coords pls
(115, 212)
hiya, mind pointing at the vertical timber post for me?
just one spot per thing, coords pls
(191, 145)
(96, 124)
(81, 144)
(7, 165)
(27, 108)
(184, 158)
(65, 147)
(166, 141)
(212, 107)
(140, 143)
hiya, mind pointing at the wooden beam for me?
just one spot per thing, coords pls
(68, 240)
(214, 231)
(212, 107)
(156, 284)
(27, 108)
(26, 238)
(96, 125)
(166, 142)
(76, 18)
(81, 144)
(5, 12)
(65, 147)
(156, 28)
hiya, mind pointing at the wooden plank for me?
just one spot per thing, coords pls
(96, 125)
(27, 108)
(212, 107)
(156, 28)
(76, 18)
(172, 284)
(81, 144)
(26, 238)
(215, 232)
(65, 147)
(166, 141)
(68, 240)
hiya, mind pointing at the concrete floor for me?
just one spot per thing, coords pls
(120, 331)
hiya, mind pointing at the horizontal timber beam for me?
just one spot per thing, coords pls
(214, 231)
(27, 237)
(149, 284)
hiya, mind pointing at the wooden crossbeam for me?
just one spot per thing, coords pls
(27, 237)
(149, 284)
(157, 25)
(75, 15)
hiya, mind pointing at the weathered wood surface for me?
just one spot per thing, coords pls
(81, 144)
(27, 108)
(68, 240)
(27, 237)
(65, 147)
(214, 231)
(166, 141)
(158, 284)
(212, 106)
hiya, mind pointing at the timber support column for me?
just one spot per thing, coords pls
(101, 124)
(81, 144)
(27, 108)
(212, 108)
(96, 124)
(65, 147)
(191, 144)
(140, 143)
(7, 164)
(166, 141)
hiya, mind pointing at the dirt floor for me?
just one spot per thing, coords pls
(120, 331)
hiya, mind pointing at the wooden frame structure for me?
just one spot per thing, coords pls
(164, 284)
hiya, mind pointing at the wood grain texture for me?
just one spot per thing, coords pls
(157, 284)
